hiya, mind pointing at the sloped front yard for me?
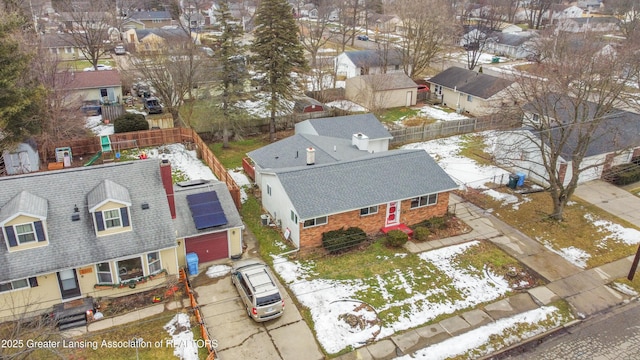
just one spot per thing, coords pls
(361, 297)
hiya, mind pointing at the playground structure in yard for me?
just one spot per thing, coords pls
(112, 151)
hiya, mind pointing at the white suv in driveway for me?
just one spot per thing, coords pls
(258, 290)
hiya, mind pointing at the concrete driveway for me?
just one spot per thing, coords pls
(611, 199)
(239, 337)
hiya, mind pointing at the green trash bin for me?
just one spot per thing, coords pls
(513, 181)
(495, 60)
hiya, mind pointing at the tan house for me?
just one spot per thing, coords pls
(468, 91)
(382, 91)
(153, 40)
(61, 46)
(99, 231)
(102, 85)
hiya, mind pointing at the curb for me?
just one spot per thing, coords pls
(498, 354)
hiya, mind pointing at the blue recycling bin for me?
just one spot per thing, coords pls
(521, 177)
(192, 263)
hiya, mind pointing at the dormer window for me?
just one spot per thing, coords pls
(25, 233)
(112, 219)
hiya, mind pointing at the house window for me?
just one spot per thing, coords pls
(469, 98)
(426, 200)
(154, 262)
(369, 210)
(25, 233)
(269, 190)
(315, 222)
(112, 218)
(104, 273)
(294, 217)
(130, 268)
(68, 50)
(16, 285)
(103, 93)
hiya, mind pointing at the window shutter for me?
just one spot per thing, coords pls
(99, 221)
(39, 231)
(125, 216)
(33, 281)
(11, 236)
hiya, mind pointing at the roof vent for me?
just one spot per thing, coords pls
(145, 206)
(311, 156)
(75, 217)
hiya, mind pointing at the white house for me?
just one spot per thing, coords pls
(367, 62)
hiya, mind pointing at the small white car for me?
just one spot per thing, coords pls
(120, 50)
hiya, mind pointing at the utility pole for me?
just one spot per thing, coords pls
(634, 265)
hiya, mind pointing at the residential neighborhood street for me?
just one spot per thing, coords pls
(614, 335)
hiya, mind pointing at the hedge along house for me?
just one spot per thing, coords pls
(207, 221)
(84, 232)
(379, 192)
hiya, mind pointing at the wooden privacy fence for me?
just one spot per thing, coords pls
(209, 343)
(447, 128)
(90, 146)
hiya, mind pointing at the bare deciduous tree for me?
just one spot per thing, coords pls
(568, 98)
(425, 33)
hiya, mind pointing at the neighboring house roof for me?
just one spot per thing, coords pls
(74, 243)
(511, 39)
(150, 15)
(593, 20)
(57, 40)
(292, 151)
(184, 223)
(302, 102)
(94, 79)
(618, 129)
(345, 126)
(163, 33)
(320, 190)
(373, 58)
(470, 82)
(381, 82)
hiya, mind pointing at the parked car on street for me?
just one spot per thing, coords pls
(120, 50)
(362, 37)
(258, 290)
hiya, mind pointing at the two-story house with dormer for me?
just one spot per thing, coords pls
(105, 231)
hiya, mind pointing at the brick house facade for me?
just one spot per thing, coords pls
(371, 224)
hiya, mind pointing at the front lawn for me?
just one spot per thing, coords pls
(115, 343)
(588, 236)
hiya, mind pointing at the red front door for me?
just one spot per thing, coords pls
(393, 214)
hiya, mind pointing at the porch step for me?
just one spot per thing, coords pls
(402, 227)
(71, 325)
(73, 313)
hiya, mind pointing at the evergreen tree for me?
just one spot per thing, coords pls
(277, 51)
(232, 66)
(19, 94)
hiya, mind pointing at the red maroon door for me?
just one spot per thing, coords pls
(209, 247)
(393, 214)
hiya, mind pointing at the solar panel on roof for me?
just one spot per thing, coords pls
(206, 210)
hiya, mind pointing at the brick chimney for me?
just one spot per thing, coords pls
(167, 182)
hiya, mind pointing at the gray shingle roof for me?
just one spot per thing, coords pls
(470, 82)
(345, 126)
(74, 243)
(381, 82)
(377, 179)
(24, 203)
(292, 151)
(185, 227)
(151, 15)
(107, 190)
(373, 58)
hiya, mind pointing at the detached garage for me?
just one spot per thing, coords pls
(207, 222)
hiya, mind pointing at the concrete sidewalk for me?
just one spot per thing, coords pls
(584, 290)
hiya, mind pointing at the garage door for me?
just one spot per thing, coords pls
(209, 247)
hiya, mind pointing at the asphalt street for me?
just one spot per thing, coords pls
(612, 335)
